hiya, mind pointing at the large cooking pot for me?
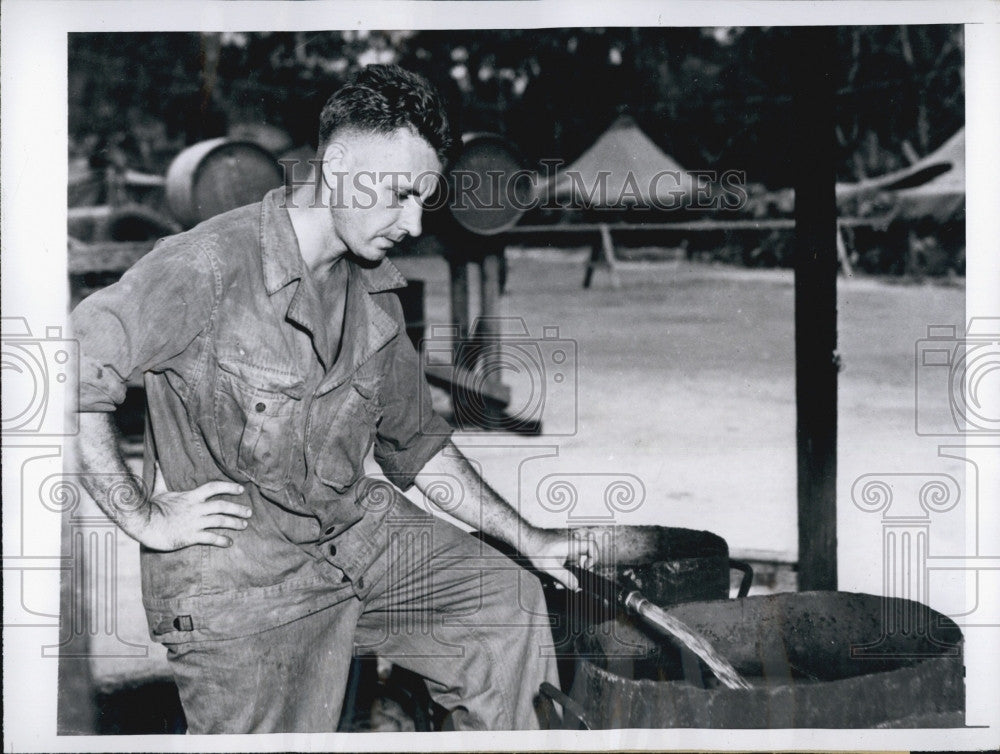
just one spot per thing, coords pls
(815, 660)
(668, 565)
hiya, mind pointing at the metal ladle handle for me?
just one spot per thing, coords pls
(569, 704)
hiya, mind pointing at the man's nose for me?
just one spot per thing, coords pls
(410, 219)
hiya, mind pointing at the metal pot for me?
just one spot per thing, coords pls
(668, 565)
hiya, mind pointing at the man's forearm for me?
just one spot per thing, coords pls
(167, 521)
(479, 505)
(106, 477)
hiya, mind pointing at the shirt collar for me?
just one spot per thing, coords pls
(283, 263)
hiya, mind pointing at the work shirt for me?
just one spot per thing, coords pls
(249, 379)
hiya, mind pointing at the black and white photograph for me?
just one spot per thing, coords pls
(427, 376)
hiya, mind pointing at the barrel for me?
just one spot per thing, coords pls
(814, 660)
(214, 176)
(488, 190)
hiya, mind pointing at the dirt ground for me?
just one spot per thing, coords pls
(680, 409)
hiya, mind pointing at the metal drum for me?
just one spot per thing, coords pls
(214, 176)
(815, 660)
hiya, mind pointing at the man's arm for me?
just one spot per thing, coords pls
(148, 317)
(548, 549)
(168, 521)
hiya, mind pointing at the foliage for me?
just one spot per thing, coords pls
(712, 98)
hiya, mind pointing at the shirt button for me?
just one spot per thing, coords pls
(330, 530)
(360, 582)
(333, 550)
(260, 407)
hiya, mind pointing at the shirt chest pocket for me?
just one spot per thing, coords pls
(257, 415)
(351, 433)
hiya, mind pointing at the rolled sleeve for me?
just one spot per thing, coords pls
(138, 324)
(410, 432)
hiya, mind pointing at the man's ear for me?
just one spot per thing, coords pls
(335, 152)
(335, 159)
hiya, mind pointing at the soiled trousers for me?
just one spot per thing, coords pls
(443, 604)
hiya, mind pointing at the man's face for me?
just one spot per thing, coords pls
(379, 186)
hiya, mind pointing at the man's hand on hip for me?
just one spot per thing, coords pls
(173, 520)
(164, 520)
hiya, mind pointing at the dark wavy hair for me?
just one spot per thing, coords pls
(382, 99)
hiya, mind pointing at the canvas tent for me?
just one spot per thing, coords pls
(934, 186)
(622, 168)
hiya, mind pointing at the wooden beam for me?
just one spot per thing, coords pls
(816, 361)
(777, 223)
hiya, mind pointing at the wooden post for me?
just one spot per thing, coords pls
(489, 358)
(816, 306)
(592, 263)
(458, 269)
(608, 248)
(845, 261)
(602, 254)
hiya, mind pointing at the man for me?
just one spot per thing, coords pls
(274, 357)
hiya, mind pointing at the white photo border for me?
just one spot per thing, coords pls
(34, 172)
